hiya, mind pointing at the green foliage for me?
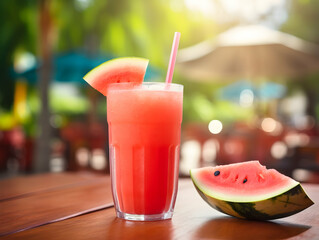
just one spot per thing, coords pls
(123, 28)
(202, 104)
(75, 104)
(132, 28)
(118, 28)
(17, 33)
(303, 20)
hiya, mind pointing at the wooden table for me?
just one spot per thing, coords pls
(79, 206)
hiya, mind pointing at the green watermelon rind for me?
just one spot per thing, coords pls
(113, 67)
(285, 204)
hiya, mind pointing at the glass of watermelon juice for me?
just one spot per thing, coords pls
(144, 136)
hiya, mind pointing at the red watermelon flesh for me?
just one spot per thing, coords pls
(247, 181)
(118, 70)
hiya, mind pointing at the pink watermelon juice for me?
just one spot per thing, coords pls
(144, 136)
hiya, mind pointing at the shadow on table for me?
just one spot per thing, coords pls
(122, 229)
(232, 228)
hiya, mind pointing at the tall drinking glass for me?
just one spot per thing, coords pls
(144, 136)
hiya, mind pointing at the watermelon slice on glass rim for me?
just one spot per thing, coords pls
(249, 190)
(118, 70)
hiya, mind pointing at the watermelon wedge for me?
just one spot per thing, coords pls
(249, 190)
(118, 70)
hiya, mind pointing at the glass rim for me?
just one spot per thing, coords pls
(151, 86)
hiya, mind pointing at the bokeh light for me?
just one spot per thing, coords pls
(215, 126)
(279, 150)
(246, 98)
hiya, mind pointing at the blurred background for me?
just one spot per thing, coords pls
(250, 70)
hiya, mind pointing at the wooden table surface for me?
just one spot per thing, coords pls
(79, 206)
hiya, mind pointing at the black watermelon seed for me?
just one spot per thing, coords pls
(216, 173)
(245, 180)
